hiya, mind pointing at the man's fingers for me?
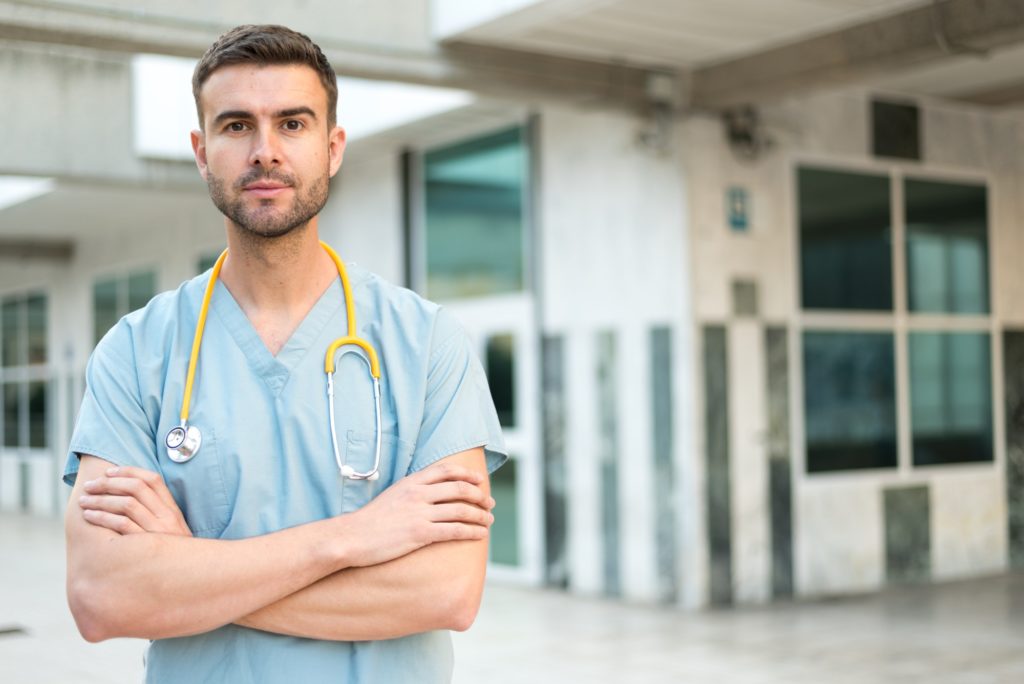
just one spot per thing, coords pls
(446, 472)
(126, 506)
(453, 531)
(458, 491)
(152, 479)
(460, 512)
(126, 486)
(111, 521)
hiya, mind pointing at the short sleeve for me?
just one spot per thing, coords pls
(458, 411)
(112, 423)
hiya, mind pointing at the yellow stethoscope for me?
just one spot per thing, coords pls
(184, 440)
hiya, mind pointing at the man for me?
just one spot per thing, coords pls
(256, 560)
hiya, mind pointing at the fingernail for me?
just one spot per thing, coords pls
(491, 503)
(111, 471)
(89, 483)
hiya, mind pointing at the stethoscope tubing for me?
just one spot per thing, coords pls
(183, 440)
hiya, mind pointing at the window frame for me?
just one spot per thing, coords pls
(900, 321)
(24, 375)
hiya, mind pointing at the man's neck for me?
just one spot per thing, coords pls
(276, 281)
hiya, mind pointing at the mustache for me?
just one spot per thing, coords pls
(271, 175)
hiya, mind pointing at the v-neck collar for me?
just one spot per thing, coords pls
(275, 370)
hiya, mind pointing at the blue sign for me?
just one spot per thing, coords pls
(737, 208)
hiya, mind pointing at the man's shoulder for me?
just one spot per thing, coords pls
(400, 308)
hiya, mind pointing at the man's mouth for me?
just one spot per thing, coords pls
(265, 189)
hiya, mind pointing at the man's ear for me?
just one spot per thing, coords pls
(199, 151)
(336, 148)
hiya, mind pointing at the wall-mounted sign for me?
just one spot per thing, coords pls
(737, 208)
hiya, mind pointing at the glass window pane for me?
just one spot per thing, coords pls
(950, 397)
(141, 288)
(947, 247)
(505, 530)
(36, 305)
(12, 405)
(845, 240)
(849, 400)
(37, 392)
(11, 322)
(474, 217)
(501, 377)
(104, 307)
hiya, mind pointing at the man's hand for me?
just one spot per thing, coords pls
(444, 502)
(129, 500)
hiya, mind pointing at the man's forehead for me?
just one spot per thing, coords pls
(274, 86)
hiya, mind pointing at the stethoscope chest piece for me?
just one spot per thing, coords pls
(182, 443)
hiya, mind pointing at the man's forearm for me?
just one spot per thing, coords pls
(157, 586)
(436, 587)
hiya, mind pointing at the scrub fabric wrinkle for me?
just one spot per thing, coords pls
(266, 462)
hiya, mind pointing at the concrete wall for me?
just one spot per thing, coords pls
(838, 526)
(613, 247)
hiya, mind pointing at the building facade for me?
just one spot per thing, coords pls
(740, 353)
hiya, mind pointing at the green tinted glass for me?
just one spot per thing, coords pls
(505, 530)
(11, 325)
(36, 306)
(37, 400)
(947, 247)
(474, 216)
(849, 400)
(845, 240)
(104, 307)
(950, 397)
(500, 360)
(12, 406)
(141, 288)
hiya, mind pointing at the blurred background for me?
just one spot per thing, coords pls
(744, 274)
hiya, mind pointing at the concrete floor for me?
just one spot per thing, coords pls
(964, 632)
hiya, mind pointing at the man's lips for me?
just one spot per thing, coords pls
(265, 189)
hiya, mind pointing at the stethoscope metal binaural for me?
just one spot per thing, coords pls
(184, 440)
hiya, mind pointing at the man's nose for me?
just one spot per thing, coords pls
(265, 149)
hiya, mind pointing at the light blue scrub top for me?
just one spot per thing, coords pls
(266, 461)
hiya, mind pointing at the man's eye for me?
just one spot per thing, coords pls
(236, 126)
(292, 125)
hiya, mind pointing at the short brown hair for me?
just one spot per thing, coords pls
(263, 45)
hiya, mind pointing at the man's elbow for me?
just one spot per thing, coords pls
(464, 605)
(94, 623)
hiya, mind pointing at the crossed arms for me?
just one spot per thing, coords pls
(411, 560)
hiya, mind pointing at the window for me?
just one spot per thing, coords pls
(474, 216)
(855, 322)
(896, 130)
(500, 364)
(849, 400)
(23, 372)
(504, 547)
(115, 297)
(845, 241)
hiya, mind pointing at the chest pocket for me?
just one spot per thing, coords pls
(359, 452)
(198, 487)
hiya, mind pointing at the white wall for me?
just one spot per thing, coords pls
(613, 240)
(838, 528)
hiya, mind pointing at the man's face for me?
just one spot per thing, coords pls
(267, 153)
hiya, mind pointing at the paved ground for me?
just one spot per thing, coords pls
(964, 632)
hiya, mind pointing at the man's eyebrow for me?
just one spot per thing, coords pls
(232, 114)
(296, 111)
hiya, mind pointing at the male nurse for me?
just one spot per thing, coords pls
(257, 560)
